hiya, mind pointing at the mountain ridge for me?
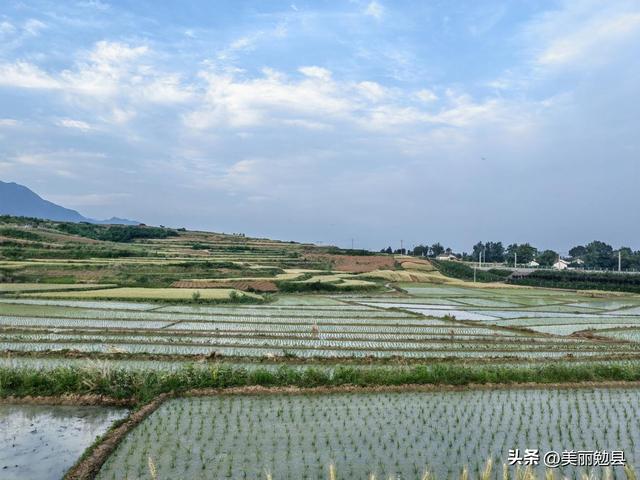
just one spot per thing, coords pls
(19, 200)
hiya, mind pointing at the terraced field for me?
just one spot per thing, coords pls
(543, 311)
(336, 328)
(393, 435)
(430, 322)
(193, 311)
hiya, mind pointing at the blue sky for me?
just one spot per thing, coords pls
(325, 121)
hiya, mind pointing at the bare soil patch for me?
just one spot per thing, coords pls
(354, 263)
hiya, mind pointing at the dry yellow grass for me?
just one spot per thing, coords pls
(326, 278)
(398, 276)
(422, 266)
(349, 282)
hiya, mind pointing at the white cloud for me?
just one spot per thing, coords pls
(33, 26)
(76, 124)
(89, 200)
(26, 75)
(316, 72)
(249, 41)
(167, 89)
(593, 39)
(9, 122)
(109, 54)
(319, 102)
(94, 4)
(121, 116)
(6, 28)
(372, 90)
(307, 124)
(242, 103)
(426, 95)
(241, 43)
(375, 10)
(582, 33)
(112, 81)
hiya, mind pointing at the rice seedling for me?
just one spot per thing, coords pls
(391, 435)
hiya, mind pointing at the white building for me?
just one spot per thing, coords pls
(446, 256)
(533, 264)
(561, 265)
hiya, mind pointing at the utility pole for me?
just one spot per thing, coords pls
(401, 247)
(352, 244)
(619, 260)
(515, 259)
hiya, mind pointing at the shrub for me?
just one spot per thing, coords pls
(465, 272)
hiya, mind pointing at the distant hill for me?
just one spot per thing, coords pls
(20, 201)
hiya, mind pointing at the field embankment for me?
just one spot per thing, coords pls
(144, 385)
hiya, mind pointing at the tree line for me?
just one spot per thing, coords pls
(595, 255)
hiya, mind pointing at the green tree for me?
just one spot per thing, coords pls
(577, 252)
(478, 249)
(525, 253)
(436, 249)
(494, 252)
(547, 258)
(421, 250)
(599, 255)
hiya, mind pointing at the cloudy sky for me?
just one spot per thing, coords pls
(330, 120)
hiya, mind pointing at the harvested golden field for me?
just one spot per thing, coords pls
(398, 276)
(422, 265)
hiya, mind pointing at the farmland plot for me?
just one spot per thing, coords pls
(44, 441)
(298, 436)
(149, 293)
(309, 330)
(544, 311)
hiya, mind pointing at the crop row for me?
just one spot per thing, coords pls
(285, 309)
(108, 305)
(462, 333)
(316, 343)
(253, 351)
(288, 317)
(427, 325)
(630, 334)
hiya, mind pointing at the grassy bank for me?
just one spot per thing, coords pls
(143, 385)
